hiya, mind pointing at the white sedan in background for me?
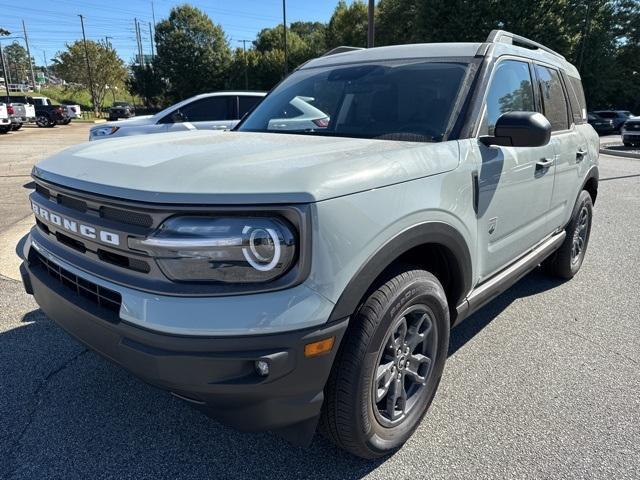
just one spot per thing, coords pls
(209, 111)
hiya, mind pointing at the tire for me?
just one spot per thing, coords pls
(43, 121)
(5, 129)
(567, 260)
(15, 127)
(351, 418)
(66, 122)
(628, 144)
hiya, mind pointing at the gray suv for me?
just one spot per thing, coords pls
(305, 271)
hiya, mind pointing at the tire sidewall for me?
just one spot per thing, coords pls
(584, 200)
(381, 439)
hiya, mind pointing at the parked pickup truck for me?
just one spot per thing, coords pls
(73, 112)
(23, 112)
(281, 278)
(47, 113)
(5, 121)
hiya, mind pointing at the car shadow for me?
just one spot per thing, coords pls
(68, 411)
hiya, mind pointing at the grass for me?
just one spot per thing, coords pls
(80, 97)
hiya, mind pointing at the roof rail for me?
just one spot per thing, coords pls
(341, 49)
(502, 36)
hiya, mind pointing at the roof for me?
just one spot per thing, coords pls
(498, 43)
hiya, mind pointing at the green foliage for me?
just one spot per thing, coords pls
(146, 82)
(107, 69)
(17, 62)
(193, 54)
(348, 25)
(600, 37)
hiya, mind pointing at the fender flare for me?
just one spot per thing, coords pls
(438, 233)
(594, 174)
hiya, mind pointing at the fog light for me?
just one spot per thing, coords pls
(262, 367)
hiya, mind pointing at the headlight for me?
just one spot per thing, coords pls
(103, 131)
(222, 249)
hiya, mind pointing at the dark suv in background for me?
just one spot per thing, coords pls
(618, 117)
(603, 126)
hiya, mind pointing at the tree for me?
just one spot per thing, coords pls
(108, 70)
(145, 82)
(17, 62)
(348, 25)
(193, 54)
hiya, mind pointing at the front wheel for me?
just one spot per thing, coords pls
(66, 122)
(15, 127)
(567, 260)
(389, 366)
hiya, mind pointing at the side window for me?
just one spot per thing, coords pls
(510, 91)
(553, 98)
(208, 109)
(246, 104)
(576, 84)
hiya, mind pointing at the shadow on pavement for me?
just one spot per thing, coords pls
(68, 413)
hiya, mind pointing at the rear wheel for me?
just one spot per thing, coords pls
(5, 128)
(389, 366)
(567, 260)
(66, 122)
(16, 126)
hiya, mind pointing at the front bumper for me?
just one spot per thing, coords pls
(216, 374)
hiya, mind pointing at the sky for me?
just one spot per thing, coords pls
(52, 23)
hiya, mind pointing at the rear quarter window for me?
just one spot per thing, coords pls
(576, 99)
(553, 97)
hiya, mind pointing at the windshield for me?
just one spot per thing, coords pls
(399, 100)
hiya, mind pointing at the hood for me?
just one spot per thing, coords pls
(242, 167)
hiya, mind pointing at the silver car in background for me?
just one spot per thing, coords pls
(209, 111)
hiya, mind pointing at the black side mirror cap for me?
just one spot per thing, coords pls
(520, 129)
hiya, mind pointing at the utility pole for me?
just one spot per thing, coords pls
(139, 40)
(371, 24)
(284, 24)
(246, 64)
(4, 71)
(585, 34)
(26, 41)
(153, 17)
(153, 53)
(86, 55)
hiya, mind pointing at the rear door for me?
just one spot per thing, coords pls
(569, 145)
(515, 184)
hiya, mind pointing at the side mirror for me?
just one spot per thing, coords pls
(520, 129)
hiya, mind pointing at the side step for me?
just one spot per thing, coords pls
(487, 291)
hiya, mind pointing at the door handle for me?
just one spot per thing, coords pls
(544, 163)
(580, 154)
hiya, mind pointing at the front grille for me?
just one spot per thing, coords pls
(126, 216)
(43, 191)
(100, 296)
(73, 203)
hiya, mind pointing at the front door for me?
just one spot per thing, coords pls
(515, 184)
(210, 113)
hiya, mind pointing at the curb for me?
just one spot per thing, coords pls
(618, 153)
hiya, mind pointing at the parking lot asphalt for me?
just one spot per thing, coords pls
(544, 382)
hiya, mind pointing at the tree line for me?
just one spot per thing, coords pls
(194, 55)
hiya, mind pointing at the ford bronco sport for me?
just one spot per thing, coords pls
(285, 278)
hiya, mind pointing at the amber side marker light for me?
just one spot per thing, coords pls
(318, 348)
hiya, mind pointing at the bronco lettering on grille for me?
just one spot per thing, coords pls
(76, 227)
